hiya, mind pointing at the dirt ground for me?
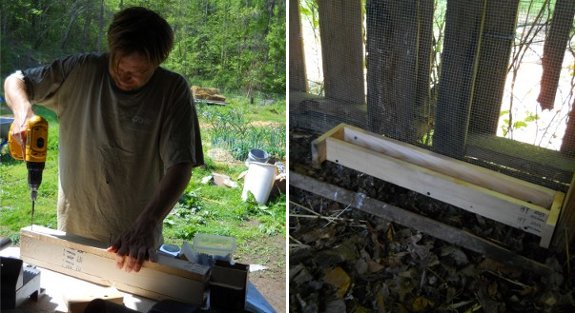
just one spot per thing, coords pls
(270, 282)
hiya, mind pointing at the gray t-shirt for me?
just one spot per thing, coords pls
(114, 146)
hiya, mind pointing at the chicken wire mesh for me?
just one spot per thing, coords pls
(488, 82)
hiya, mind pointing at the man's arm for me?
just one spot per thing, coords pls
(17, 100)
(138, 243)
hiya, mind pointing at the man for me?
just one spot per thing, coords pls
(129, 135)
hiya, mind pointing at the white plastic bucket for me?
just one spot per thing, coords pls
(259, 180)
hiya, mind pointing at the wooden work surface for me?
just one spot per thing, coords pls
(57, 287)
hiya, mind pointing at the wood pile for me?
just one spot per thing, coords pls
(206, 93)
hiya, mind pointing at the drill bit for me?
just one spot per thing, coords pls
(32, 217)
(33, 196)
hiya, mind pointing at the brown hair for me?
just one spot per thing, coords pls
(140, 30)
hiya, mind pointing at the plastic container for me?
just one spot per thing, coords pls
(259, 181)
(257, 155)
(170, 250)
(209, 248)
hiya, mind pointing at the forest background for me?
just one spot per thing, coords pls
(237, 46)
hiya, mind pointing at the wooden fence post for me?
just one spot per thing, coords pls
(342, 49)
(461, 50)
(497, 40)
(399, 41)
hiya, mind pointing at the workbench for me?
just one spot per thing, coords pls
(56, 287)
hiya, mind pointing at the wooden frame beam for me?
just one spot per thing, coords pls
(85, 259)
(529, 207)
(426, 225)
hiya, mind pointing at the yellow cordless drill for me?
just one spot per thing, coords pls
(34, 152)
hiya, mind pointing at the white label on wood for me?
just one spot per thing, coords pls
(72, 259)
(531, 221)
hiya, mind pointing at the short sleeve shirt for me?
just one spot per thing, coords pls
(114, 146)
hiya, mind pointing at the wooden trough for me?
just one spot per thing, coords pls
(523, 205)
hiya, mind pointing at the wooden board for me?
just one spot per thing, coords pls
(497, 39)
(398, 67)
(340, 26)
(169, 278)
(424, 224)
(222, 103)
(319, 114)
(505, 199)
(546, 167)
(459, 65)
(318, 146)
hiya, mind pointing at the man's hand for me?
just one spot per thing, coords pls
(18, 132)
(134, 247)
(138, 244)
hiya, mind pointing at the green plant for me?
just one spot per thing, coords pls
(231, 130)
(509, 125)
(191, 201)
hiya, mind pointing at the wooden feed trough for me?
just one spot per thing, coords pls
(523, 205)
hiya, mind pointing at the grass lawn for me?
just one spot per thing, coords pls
(204, 208)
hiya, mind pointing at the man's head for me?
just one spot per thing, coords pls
(139, 41)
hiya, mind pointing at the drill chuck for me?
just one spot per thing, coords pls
(34, 177)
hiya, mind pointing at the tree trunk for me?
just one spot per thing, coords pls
(100, 27)
(74, 12)
(568, 144)
(40, 25)
(554, 51)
